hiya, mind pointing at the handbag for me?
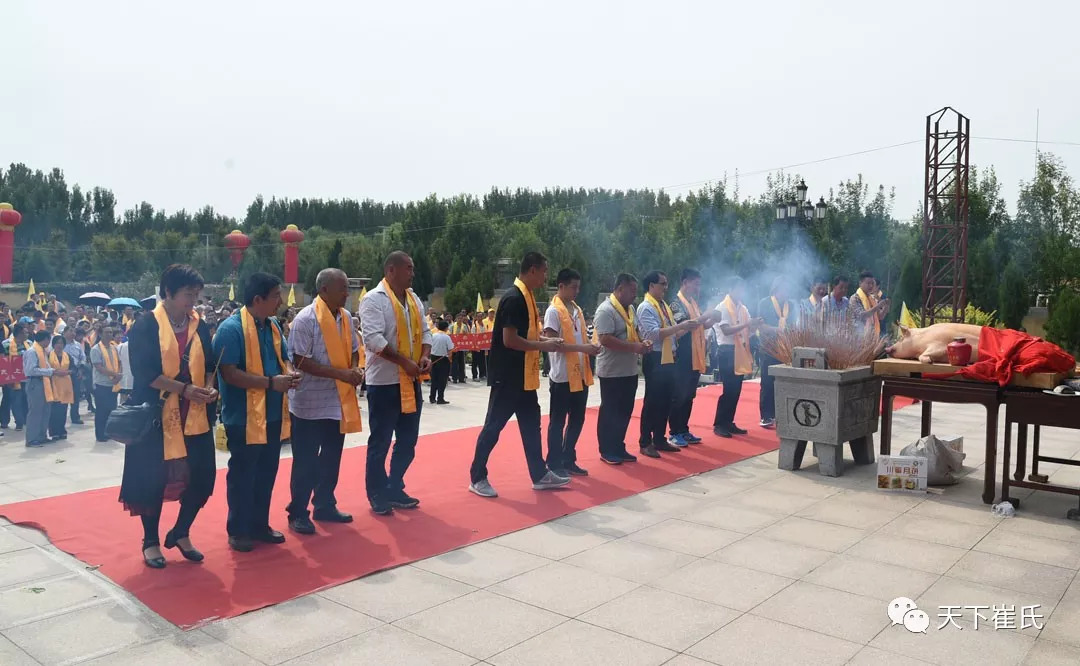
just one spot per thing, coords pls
(139, 424)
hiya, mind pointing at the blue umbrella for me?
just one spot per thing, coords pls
(125, 303)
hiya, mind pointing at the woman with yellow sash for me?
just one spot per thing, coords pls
(776, 314)
(254, 382)
(656, 324)
(690, 357)
(323, 408)
(570, 376)
(515, 378)
(173, 367)
(63, 390)
(397, 341)
(733, 337)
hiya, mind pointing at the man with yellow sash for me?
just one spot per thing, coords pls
(397, 342)
(617, 368)
(479, 356)
(735, 358)
(690, 357)
(39, 392)
(514, 379)
(457, 358)
(656, 324)
(323, 408)
(14, 402)
(254, 380)
(108, 374)
(810, 308)
(776, 314)
(570, 376)
(866, 307)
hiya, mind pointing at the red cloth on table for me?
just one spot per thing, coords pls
(1003, 352)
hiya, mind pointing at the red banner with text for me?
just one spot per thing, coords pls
(471, 341)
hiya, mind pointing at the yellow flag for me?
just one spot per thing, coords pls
(32, 293)
(479, 303)
(363, 292)
(292, 296)
(232, 294)
(905, 317)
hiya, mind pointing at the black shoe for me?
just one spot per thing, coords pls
(721, 432)
(576, 471)
(649, 451)
(152, 562)
(433, 401)
(18, 428)
(736, 430)
(269, 536)
(102, 440)
(611, 460)
(79, 422)
(193, 554)
(332, 516)
(399, 500)
(36, 444)
(302, 525)
(667, 448)
(381, 507)
(627, 457)
(241, 544)
(444, 402)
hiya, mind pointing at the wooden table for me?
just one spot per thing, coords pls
(1037, 409)
(952, 391)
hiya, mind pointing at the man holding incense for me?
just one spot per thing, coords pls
(776, 315)
(690, 357)
(323, 407)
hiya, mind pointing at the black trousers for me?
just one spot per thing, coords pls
(77, 388)
(57, 419)
(684, 390)
(13, 404)
(616, 407)
(767, 398)
(105, 399)
(504, 402)
(316, 449)
(458, 367)
(567, 411)
(656, 408)
(386, 424)
(250, 480)
(479, 365)
(729, 399)
(440, 374)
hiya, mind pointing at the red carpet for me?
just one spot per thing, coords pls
(93, 527)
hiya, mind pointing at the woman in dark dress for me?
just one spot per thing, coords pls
(170, 351)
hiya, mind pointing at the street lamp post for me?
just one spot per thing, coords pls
(801, 210)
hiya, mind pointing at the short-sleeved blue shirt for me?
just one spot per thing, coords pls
(230, 338)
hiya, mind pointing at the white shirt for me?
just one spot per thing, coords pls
(379, 330)
(742, 316)
(127, 383)
(441, 344)
(558, 359)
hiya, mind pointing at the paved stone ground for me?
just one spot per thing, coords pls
(743, 565)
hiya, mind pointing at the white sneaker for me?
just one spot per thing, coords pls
(483, 488)
(550, 481)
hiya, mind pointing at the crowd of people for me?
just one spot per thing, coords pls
(272, 375)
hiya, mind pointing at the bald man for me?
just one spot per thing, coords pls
(325, 347)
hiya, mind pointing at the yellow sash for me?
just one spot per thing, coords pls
(697, 335)
(813, 300)
(532, 358)
(782, 314)
(578, 372)
(111, 360)
(744, 363)
(666, 320)
(62, 389)
(410, 348)
(256, 398)
(197, 422)
(13, 351)
(339, 339)
(44, 363)
(867, 303)
(489, 324)
(627, 315)
(128, 322)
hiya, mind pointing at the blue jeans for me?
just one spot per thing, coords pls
(387, 422)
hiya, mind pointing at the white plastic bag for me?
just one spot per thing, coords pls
(944, 464)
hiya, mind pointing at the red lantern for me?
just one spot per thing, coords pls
(292, 237)
(9, 219)
(237, 242)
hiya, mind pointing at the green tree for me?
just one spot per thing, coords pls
(1014, 297)
(1063, 327)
